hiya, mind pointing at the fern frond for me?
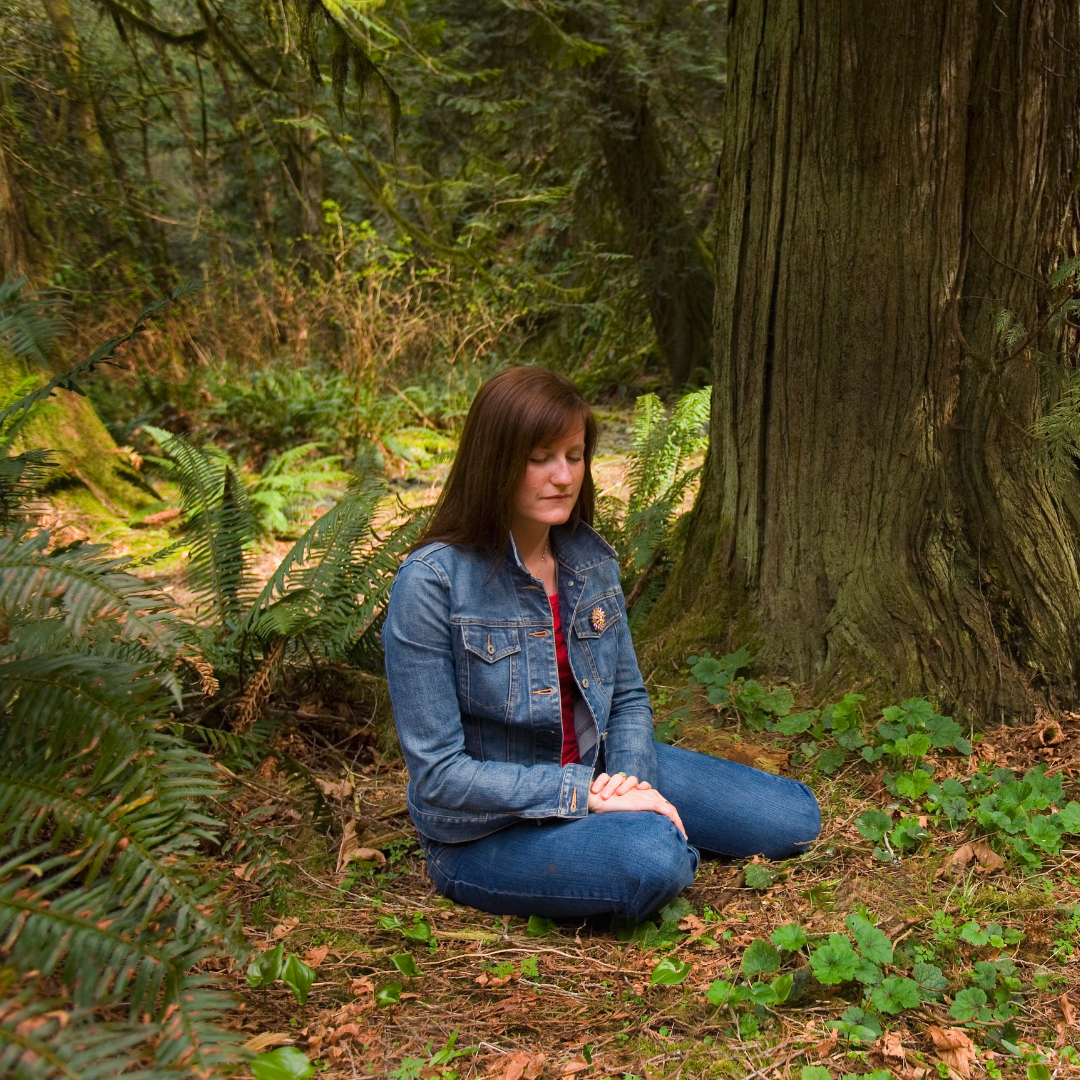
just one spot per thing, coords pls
(79, 585)
(42, 1040)
(219, 517)
(30, 322)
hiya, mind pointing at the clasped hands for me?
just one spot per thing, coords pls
(622, 792)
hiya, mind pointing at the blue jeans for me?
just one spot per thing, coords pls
(629, 864)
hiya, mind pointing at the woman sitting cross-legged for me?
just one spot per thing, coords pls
(534, 781)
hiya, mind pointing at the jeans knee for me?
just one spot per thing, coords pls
(661, 864)
(801, 824)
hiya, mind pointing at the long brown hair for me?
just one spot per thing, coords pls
(513, 413)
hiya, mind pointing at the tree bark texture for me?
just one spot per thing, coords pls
(892, 173)
(660, 237)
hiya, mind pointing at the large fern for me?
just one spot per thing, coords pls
(106, 896)
(645, 529)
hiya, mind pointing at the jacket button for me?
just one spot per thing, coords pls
(491, 649)
(585, 683)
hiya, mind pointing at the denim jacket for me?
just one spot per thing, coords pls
(474, 683)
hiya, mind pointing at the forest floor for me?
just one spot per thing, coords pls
(573, 999)
(509, 999)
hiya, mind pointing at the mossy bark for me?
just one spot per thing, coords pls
(85, 451)
(892, 173)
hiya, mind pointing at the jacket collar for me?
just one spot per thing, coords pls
(578, 549)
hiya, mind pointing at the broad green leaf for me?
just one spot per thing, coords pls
(814, 1072)
(298, 977)
(984, 974)
(722, 993)
(1038, 1071)
(973, 935)
(677, 910)
(830, 760)
(790, 936)
(1044, 831)
(669, 972)
(781, 987)
(266, 969)
(913, 785)
(858, 1024)
(390, 994)
(895, 994)
(931, 980)
(1069, 818)
(406, 964)
(873, 824)
(872, 943)
(284, 1063)
(539, 926)
(868, 973)
(760, 958)
(419, 931)
(795, 724)
(758, 876)
(970, 1004)
(835, 962)
(762, 994)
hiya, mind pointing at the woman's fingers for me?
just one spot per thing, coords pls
(598, 784)
(628, 784)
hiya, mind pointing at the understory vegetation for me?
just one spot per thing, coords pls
(208, 864)
(255, 261)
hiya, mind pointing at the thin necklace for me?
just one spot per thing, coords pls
(543, 559)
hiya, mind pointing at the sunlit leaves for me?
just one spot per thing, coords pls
(284, 1063)
(669, 972)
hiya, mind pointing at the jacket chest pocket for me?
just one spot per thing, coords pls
(488, 670)
(597, 628)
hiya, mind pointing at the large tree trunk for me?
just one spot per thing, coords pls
(674, 272)
(892, 172)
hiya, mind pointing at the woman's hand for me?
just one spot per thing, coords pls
(624, 793)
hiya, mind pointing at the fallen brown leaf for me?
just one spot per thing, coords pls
(978, 851)
(245, 871)
(693, 925)
(574, 1065)
(827, 1045)
(285, 927)
(350, 849)
(890, 1048)
(334, 789)
(268, 1038)
(1068, 1010)
(514, 1066)
(314, 957)
(535, 1067)
(361, 986)
(955, 1048)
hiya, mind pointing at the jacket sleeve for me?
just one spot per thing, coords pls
(420, 669)
(628, 739)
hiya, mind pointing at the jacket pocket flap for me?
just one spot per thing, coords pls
(490, 643)
(597, 618)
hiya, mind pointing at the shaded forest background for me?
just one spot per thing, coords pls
(441, 191)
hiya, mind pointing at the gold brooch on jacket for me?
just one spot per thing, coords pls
(599, 619)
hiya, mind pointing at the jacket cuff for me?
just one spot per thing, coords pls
(574, 793)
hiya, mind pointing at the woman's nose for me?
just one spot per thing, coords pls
(562, 476)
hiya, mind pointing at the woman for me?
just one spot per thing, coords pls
(535, 784)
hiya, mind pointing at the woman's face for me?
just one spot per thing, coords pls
(552, 480)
